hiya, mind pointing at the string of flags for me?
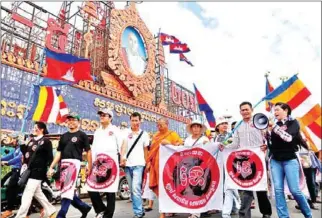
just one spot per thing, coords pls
(176, 46)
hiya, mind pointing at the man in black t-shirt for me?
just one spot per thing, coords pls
(70, 148)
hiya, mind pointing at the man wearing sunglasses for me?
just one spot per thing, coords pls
(104, 177)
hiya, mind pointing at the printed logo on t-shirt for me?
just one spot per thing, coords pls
(110, 133)
(27, 155)
(34, 147)
(74, 139)
(131, 136)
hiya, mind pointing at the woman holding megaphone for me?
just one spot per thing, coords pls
(284, 135)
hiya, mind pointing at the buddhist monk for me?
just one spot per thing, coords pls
(163, 137)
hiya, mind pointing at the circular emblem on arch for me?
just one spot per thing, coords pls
(132, 51)
(191, 178)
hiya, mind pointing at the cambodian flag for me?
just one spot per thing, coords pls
(179, 48)
(204, 107)
(67, 67)
(168, 39)
(185, 59)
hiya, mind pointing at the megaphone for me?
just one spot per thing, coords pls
(260, 121)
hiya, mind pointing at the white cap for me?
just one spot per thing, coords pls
(203, 127)
(105, 111)
(221, 120)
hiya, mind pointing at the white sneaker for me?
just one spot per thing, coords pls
(100, 215)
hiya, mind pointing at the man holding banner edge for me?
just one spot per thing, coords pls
(248, 136)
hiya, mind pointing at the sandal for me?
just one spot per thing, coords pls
(147, 208)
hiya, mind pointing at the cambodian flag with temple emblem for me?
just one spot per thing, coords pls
(168, 39)
(179, 48)
(185, 59)
(67, 67)
(204, 107)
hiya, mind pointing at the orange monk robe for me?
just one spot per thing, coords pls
(153, 156)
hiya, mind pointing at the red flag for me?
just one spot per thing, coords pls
(204, 107)
(185, 59)
(168, 39)
(67, 67)
(179, 48)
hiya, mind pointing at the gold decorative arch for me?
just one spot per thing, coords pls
(138, 86)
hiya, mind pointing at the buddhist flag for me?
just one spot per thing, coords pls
(298, 97)
(269, 89)
(204, 107)
(48, 105)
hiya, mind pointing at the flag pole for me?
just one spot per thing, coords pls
(233, 131)
(31, 90)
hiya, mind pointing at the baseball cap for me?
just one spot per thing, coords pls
(73, 115)
(105, 111)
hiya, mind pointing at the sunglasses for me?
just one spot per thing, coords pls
(104, 115)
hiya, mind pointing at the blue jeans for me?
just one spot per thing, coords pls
(76, 202)
(134, 176)
(291, 170)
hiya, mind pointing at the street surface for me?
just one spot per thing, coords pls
(124, 210)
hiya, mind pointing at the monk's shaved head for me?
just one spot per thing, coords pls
(163, 119)
(163, 124)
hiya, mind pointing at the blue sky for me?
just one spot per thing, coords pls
(198, 11)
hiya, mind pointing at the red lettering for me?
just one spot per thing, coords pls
(195, 176)
(183, 176)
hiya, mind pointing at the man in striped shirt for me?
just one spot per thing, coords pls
(246, 135)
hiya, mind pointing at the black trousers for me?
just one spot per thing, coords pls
(12, 188)
(310, 182)
(99, 206)
(246, 201)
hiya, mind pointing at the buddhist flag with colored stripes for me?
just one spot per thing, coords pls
(204, 107)
(269, 89)
(304, 109)
(48, 105)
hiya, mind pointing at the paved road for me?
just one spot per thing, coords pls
(124, 210)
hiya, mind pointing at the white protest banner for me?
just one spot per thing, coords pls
(104, 176)
(69, 170)
(191, 179)
(245, 169)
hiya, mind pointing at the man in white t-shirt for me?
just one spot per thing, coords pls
(107, 140)
(196, 129)
(134, 153)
